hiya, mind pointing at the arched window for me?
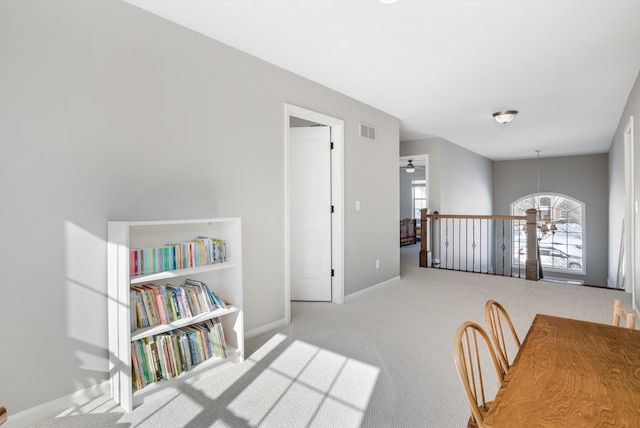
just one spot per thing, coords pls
(560, 226)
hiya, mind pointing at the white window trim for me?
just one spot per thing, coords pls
(583, 207)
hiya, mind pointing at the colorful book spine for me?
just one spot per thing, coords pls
(167, 355)
(153, 304)
(201, 251)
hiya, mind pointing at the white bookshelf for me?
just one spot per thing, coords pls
(225, 279)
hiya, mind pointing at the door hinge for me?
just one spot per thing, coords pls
(332, 209)
(331, 145)
(333, 272)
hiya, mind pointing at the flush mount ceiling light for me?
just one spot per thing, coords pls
(504, 117)
(388, 1)
(410, 168)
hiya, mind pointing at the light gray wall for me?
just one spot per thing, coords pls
(465, 182)
(581, 177)
(109, 112)
(617, 184)
(460, 181)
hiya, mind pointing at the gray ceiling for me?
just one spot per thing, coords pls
(443, 66)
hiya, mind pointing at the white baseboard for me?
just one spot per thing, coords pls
(265, 328)
(52, 408)
(282, 322)
(352, 295)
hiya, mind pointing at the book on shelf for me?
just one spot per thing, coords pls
(175, 294)
(185, 353)
(204, 340)
(153, 304)
(214, 300)
(165, 362)
(159, 297)
(195, 349)
(200, 251)
(154, 357)
(170, 302)
(133, 311)
(167, 355)
(216, 333)
(149, 304)
(142, 320)
(201, 347)
(136, 370)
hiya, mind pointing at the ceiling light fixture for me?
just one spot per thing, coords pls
(388, 1)
(504, 117)
(410, 168)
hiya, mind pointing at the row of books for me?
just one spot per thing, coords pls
(152, 304)
(201, 251)
(167, 355)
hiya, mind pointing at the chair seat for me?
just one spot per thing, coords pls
(483, 410)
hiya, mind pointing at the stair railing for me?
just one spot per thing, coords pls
(489, 244)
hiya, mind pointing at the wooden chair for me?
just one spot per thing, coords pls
(619, 312)
(497, 320)
(469, 357)
(3, 415)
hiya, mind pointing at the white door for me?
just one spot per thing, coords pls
(310, 213)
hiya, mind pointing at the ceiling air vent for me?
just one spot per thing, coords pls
(367, 131)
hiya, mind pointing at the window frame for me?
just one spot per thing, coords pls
(420, 183)
(574, 250)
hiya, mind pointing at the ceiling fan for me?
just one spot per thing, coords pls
(410, 168)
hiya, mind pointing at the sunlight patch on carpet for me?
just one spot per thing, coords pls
(322, 386)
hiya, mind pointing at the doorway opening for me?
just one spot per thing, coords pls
(301, 116)
(414, 188)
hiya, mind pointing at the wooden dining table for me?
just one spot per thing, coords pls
(571, 373)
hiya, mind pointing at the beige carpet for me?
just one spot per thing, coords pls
(382, 359)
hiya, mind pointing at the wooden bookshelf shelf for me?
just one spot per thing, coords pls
(140, 279)
(157, 329)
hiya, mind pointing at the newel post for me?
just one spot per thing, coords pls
(423, 238)
(531, 268)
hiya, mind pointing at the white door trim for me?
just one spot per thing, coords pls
(337, 191)
(630, 212)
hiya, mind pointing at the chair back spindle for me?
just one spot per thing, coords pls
(469, 356)
(497, 320)
(619, 313)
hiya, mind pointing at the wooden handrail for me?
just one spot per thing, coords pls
(481, 217)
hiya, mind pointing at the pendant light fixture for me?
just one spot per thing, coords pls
(545, 222)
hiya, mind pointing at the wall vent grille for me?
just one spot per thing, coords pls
(367, 131)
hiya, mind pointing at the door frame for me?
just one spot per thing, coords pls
(337, 198)
(631, 210)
